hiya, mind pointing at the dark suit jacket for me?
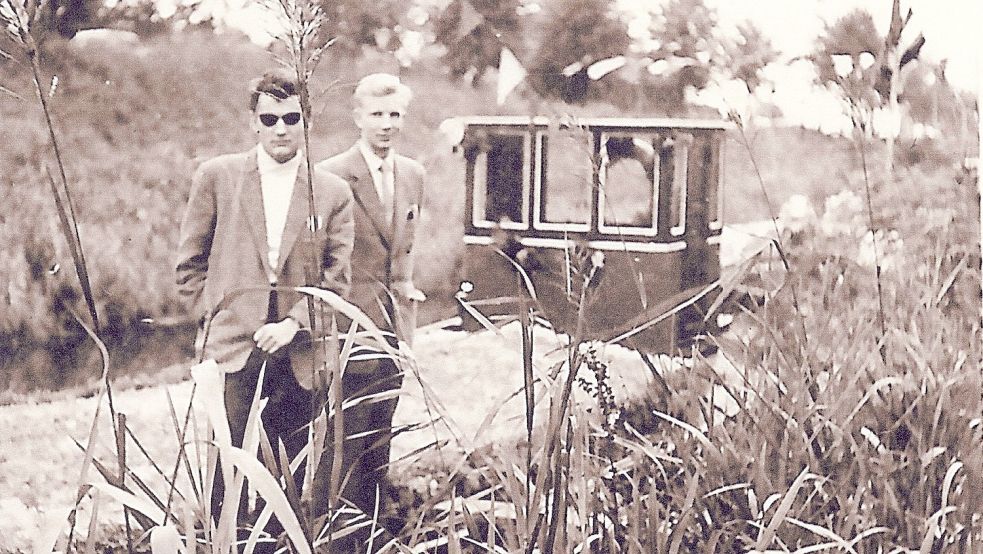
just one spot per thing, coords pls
(223, 249)
(382, 261)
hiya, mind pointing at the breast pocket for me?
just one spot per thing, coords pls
(412, 216)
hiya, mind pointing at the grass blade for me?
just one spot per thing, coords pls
(782, 511)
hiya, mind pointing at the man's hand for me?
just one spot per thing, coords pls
(274, 336)
(405, 290)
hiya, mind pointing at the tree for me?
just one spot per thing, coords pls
(747, 56)
(354, 23)
(877, 81)
(576, 34)
(65, 17)
(852, 35)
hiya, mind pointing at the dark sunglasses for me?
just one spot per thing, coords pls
(270, 120)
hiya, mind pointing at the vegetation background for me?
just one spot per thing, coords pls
(137, 113)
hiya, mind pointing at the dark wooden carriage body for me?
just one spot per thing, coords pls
(615, 221)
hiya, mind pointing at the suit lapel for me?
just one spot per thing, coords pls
(251, 202)
(297, 214)
(363, 188)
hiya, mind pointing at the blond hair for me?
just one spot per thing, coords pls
(379, 85)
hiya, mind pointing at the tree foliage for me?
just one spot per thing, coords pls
(354, 23)
(749, 54)
(688, 50)
(576, 33)
(854, 35)
(66, 17)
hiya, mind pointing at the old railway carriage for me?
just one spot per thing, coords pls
(617, 220)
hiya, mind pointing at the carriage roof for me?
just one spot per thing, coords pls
(608, 122)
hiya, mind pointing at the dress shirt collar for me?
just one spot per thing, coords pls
(372, 159)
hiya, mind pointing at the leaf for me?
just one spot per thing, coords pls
(269, 489)
(950, 474)
(522, 272)
(950, 280)
(687, 427)
(90, 539)
(737, 277)
(480, 317)
(211, 386)
(931, 455)
(131, 501)
(352, 312)
(680, 528)
(877, 386)
(934, 529)
(822, 532)
(727, 488)
(69, 227)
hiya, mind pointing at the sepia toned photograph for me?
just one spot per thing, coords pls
(490, 276)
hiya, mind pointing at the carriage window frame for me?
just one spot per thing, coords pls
(478, 219)
(717, 147)
(678, 144)
(538, 200)
(654, 140)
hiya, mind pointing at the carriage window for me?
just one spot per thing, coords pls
(629, 182)
(566, 176)
(501, 181)
(679, 148)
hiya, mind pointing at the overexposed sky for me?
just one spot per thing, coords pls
(952, 28)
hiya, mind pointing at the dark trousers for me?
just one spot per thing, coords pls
(367, 457)
(284, 418)
(286, 415)
(366, 448)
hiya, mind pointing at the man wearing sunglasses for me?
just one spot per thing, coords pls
(388, 191)
(247, 236)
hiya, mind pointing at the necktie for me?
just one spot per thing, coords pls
(386, 190)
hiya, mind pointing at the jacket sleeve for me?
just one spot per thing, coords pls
(195, 243)
(338, 227)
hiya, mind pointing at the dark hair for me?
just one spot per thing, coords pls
(277, 83)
